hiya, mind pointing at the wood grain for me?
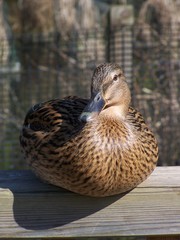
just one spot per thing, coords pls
(164, 237)
(30, 208)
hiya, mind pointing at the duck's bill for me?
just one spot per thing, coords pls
(93, 108)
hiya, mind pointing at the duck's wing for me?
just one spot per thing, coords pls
(46, 119)
(136, 119)
(145, 136)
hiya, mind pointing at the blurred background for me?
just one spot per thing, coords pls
(49, 48)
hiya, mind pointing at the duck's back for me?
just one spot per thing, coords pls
(52, 122)
(47, 115)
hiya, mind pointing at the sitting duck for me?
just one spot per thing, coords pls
(97, 147)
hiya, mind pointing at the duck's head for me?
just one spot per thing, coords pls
(110, 94)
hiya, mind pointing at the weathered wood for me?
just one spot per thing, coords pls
(164, 238)
(30, 208)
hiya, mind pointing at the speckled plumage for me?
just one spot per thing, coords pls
(111, 152)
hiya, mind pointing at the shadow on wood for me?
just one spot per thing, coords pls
(30, 208)
(46, 206)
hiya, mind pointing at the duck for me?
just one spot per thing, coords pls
(96, 147)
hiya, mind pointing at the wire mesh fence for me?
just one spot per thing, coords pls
(38, 68)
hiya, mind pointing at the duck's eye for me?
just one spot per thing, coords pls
(115, 78)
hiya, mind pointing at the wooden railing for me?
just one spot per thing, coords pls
(32, 209)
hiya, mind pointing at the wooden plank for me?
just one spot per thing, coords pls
(164, 238)
(30, 208)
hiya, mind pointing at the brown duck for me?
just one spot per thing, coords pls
(97, 147)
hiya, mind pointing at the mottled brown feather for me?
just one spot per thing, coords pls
(98, 158)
